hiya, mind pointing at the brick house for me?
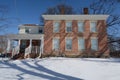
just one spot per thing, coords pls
(75, 35)
(63, 35)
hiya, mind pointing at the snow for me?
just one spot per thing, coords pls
(60, 69)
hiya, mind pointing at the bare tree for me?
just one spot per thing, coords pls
(58, 9)
(3, 44)
(109, 7)
(106, 7)
(5, 20)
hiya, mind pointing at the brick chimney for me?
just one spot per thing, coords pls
(62, 10)
(85, 11)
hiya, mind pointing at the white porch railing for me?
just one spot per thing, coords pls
(27, 51)
(15, 50)
(40, 52)
(35, 49)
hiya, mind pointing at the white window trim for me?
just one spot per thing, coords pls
(26, 28)
(94, 37)
(65, 43)
(54, 26)
(66, 26)
(97, 42)
(53, 42)
(96, 26)
(83, 26)
(78, 43)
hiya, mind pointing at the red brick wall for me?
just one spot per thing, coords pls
(48, 31)
(101, 34)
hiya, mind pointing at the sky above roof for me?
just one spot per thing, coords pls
(29, 11)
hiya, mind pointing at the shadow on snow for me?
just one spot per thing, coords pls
(110, 60)
(52, 75)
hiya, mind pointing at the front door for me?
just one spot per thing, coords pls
(23, 45)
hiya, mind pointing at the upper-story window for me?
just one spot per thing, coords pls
(93, 26)
(80, 26)
(56, 27)
(68, 26)
(40, 30)
(94, 43)
(27, 30)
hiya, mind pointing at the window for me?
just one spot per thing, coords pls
(68, 43)
(94, 44)
(40, 30)
(81, 43)
(80, 26)
(26, 30)
(93, 27)
(55, 43)
(56, 27)
(68, 26)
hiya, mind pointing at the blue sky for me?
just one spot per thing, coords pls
(29, 11)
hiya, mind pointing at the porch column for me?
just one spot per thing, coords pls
(12, 42)
(19, 44)
(30, 45)
(41, 46)
(8, 46)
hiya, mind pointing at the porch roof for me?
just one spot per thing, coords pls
(25, 36)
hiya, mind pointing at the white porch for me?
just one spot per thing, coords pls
(26, 44)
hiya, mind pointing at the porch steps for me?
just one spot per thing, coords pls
(21, 56)
(18, 56)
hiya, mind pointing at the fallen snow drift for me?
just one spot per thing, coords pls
(61, 69)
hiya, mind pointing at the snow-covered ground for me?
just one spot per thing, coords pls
(61, 69)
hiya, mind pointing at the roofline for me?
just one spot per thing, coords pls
(36, 25)
(75, 17)
(25, 36)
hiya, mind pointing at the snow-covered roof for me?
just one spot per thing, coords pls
(75, 17)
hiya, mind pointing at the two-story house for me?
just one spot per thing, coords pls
(75, 35)
(63, 35)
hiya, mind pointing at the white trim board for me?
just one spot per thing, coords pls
(75, 17)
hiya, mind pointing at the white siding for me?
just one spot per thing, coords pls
(31, 29)
(22, 31)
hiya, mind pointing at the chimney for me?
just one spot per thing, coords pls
(85, 11)
(62, 11)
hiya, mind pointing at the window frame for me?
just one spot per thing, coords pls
(82, 26)
(55, 26)
(40, 31)
(66, 26)
(27, 30)
(95, 27)
(53, 47)
(79, 45)
(66, 43)
(97, 47)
